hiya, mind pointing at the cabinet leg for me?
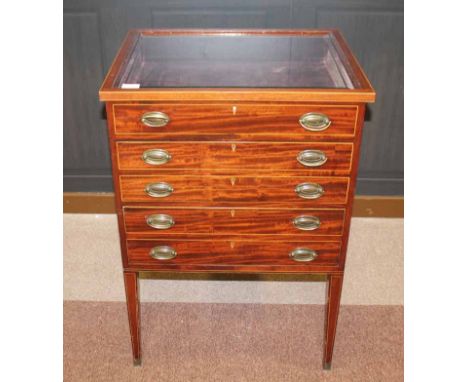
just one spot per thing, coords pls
(335, 282)
(133, 308)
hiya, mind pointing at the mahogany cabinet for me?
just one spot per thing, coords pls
(235, 151)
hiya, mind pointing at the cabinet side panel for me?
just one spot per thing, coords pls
(352, 187)
(115, 178)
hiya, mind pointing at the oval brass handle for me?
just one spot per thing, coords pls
(156, 156)
(306, 223)
(303, 254)
(155, 119)
(160, 221)
(315, 121)
(309, 190)
(312, 158)
(159, 189)
(163, 252)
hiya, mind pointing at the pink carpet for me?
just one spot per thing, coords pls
(231, 342)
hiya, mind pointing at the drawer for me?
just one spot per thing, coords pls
(270, 256)
(226, 221)
(191, 190)
(235, 121)
(323, 158)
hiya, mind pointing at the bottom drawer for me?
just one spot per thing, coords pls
(232, 255)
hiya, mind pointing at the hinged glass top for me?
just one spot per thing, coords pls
(236, 61)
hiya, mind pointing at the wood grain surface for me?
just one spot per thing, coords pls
(237, 256)
(222, 191)
(133, 310)
(233, 121)
(270, 157)
(335, 284)
(227, 221)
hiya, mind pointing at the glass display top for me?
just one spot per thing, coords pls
(236, 61)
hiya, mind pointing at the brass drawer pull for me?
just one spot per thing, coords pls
(306, 223)
(315, 121)
(309, 190)
(159, 190)
(155, 119)
(160, 221)
(156, 156)
(312, 158)
(163, 252)
(303, 254)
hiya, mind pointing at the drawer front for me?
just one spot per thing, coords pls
(213, 255)
(303, 223)
(285, 191)
(234, 122)
(322, 158)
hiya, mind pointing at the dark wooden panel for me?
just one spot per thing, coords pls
(211, 18)
(85, 136)
(115, 22)
(382, 59)
(381, 186)
(87, 180)
(218, 14)
(374, 30)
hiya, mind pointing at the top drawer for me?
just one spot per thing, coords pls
(234, 122)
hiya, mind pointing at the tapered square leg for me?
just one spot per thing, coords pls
(335, 282)
(133, 308)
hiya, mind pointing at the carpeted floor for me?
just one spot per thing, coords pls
(231, 342)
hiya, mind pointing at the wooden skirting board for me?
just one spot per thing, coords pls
(103, 203)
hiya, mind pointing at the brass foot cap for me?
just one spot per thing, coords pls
(137, 362)
(327, 366)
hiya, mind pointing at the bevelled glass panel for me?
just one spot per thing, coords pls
(236, 61)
